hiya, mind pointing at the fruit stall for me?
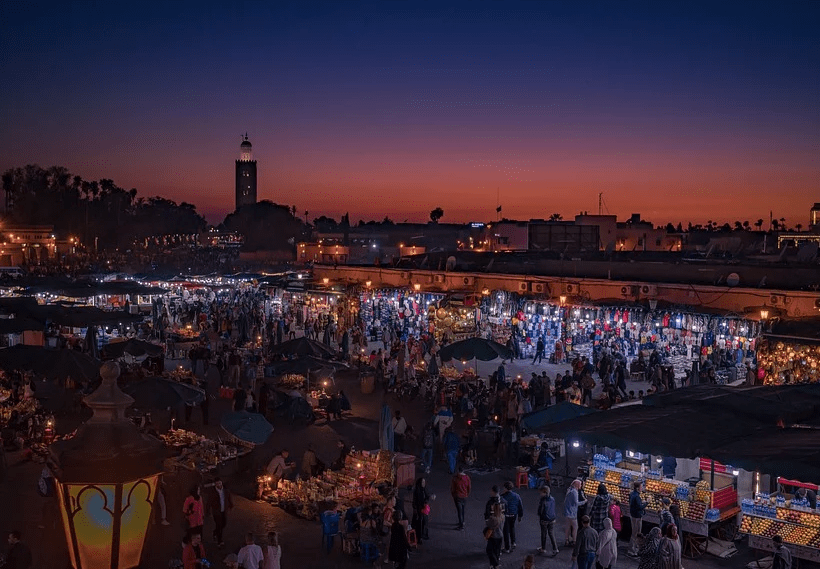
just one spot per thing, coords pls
(793, 519)
(704, 511)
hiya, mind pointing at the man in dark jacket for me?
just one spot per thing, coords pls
(546, 518)
(513, 508)
(219, 503)
(636, 511)
(19, 555)
(495, 498)
(585, 546)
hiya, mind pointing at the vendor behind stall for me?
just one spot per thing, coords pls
(280, 467)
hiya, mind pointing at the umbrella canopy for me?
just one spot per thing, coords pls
(307, 364)
(474, 348)
(160, 393)
(133, 347)
(18, 325)
(251, 428)
(540, 421)
(50, 363)
(304, 347)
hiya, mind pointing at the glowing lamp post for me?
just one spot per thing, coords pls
(107, 481)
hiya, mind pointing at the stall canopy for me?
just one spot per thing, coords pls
(133, 347)
(802, 330)
(474, 349)
(50, 363)
(304, 347)
(543, 419)
(713, 422)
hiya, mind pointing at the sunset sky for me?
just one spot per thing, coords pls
(680, 111)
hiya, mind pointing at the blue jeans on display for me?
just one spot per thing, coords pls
(586, 561)
(427, 458)
(451, 460)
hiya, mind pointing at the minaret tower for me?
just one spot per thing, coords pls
(245, 175)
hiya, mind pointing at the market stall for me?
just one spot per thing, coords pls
(790, 352)
(194, 452)
(704, 509)
(787, 515)
(397, 309)
(360, 481)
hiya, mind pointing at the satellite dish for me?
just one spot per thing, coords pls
(733, 279)
(451, 263)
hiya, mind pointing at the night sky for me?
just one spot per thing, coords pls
(691, 111)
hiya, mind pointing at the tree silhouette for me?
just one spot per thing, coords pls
(436, 214)
(555, 217)
(799, 226)
(759, 224)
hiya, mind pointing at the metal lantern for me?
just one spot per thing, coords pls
(107, 479)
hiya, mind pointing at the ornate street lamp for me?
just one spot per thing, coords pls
(107, 481)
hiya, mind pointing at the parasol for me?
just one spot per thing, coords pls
(251, 428)
(132, 347)
(386, 428)
(160, 393)
(304, 347)
(474, 349)
(50, 363)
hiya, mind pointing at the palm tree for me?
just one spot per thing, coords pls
(799, 227)
(555, 217)
(746, 225)
(759, 224)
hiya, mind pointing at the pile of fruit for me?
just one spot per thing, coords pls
(702, 492)
(695, 511)
(661, 487)
(796, 517)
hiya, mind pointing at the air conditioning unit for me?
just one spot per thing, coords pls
(523, 286)
(776, 299)
(570, 288)
(649, 290)
(629, 290)
(468, 281)
(405, 275)
(540, 288)
(439, 279)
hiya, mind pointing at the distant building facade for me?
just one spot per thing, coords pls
(27, 245)
(245, 175)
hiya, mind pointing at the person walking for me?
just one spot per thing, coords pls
(493, 533)
(428, 441)
(648, 553)
(546, 519)
(399, 548)
(600, 508)
(421, 508)
(637, 508)
(669, 550)
(399, 429)
(782, 558)
(460, 487)
(194, 552)
(272, 552)
(585, 546)
(194, 511)
(607, 552)
(452, 446)
(571, 504)
(539, 351)
(250, 556)
(513, 509)
(495, 498)
(18, 555)
(615, 515)
(219, 503)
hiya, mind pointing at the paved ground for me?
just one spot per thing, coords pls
(23, 508)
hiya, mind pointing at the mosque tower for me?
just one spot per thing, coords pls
(245, 175)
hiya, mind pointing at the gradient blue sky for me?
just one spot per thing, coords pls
(682, 111)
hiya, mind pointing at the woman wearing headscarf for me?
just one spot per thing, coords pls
(669, 550)
(421, 509)
(399, 548)
(648, 553)
(607, 553)
(600, 508)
